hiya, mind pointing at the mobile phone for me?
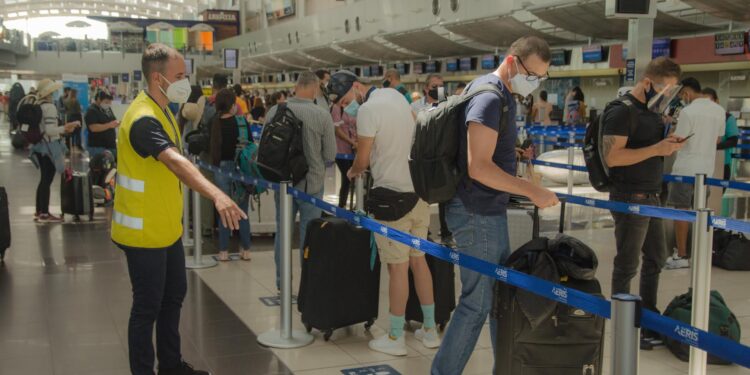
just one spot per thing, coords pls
(686, 138)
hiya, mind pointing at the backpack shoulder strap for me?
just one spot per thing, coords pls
(633, 114)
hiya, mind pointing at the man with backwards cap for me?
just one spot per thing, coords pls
(385, 127)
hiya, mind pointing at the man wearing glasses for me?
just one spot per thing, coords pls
(477, 215)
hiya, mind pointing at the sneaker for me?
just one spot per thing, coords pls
(448, 241)
(429, 337)
(184, 369)
(388, 345)
(48, 218)
(650, 339)
(676, 262)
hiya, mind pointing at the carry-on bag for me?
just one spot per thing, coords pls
(721, 321)
(539, 336)
(444, 290)
(4, 223)
(731, 251)
(76, 197)
(340, 283)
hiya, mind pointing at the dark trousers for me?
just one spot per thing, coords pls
(344, 166)
(159, 286)
(638, 237)
(47, 169)
(444, 231)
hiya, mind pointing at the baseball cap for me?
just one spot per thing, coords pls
(340, 84)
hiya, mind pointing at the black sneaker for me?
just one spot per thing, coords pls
(184, 369)
(650, 339)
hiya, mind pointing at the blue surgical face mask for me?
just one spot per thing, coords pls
(352, 108)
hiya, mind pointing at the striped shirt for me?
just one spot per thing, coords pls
(318, 138)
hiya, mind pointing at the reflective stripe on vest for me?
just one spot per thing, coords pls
(127, 221)
(131, 184)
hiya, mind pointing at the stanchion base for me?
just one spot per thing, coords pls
(273, 339)
(205, 262)
(188, 243)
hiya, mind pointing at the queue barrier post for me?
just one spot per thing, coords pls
(699, 192)
(701, 284)
(359, 192)
(187, 241)
(626, 326)
(197, 261)
(571, 161)
(285, 337)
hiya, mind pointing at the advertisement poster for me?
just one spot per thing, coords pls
(81, 84)
(729, 43)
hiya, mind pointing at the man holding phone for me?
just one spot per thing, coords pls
(701, 124)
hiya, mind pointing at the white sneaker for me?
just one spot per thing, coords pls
(675, 262)
(430, 338)
(390, 346)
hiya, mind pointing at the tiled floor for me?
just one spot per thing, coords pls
(64, 300)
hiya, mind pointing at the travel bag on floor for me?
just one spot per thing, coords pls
(4, 223)
(340, 283)
(538, 336)
(444, 290)
(721, 321)
(76, 197)
(731, 251)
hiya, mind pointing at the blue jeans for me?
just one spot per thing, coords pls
(484, 237)
(93, 151)
(307, 212)
(225, 184)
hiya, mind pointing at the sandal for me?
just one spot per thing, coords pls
(223, 256)
(245, 255)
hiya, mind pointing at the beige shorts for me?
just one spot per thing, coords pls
(416, 223)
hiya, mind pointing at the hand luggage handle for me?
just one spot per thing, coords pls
(536, 220)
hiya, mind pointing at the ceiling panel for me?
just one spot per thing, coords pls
(500, 32)
(371, 49)
(297, 59)
(271, 62)
(737, 10)
(588, 19)
(429, 43)
(333, 56)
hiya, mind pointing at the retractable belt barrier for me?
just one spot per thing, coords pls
(344, 156)
(558, 144)
(576, 168)
(685, 333)
(744, 146)
(741, 156)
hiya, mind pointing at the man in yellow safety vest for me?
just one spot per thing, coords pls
(147, 217)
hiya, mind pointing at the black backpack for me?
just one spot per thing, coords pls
(29, 117)
(599, 173)
(432, 162)
(280, 152)
(15, 95)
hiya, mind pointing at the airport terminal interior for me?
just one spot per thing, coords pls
(79, 254)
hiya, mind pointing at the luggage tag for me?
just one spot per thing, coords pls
(373, 244)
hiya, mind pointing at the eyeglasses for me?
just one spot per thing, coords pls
(531, 77)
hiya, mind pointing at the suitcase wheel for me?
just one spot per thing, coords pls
(76, 218)
(327, 334)
(91, 217)
(369, 324)
(308, 327)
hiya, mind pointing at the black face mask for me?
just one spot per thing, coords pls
(433, 93)
(387, 83)
(650, 94)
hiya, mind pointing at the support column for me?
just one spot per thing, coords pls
(640, 43)
(243, 15)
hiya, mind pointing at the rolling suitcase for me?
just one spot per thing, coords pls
(4, 223)
(76, 197)
(340, 283)
(538, 336)
(444, 290)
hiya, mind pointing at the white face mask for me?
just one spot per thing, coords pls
(521, 85)
(177, 92)
(106, 106)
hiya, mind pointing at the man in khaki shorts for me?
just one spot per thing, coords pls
(385, 127)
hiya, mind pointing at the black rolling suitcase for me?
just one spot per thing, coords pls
(538, 336)
(444, 289)
(340, 283)
(4, 223)
(76, 197)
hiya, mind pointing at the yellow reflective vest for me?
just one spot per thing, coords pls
(148, 196)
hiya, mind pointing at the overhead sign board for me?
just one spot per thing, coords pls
(630, 70)
(732, 43)
(221, 15)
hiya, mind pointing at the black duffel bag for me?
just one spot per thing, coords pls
(731, 251)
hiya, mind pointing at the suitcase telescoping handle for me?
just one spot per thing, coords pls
(536, 220)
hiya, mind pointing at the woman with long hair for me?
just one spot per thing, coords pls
(224, 144)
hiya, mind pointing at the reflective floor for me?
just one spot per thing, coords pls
(65, 299)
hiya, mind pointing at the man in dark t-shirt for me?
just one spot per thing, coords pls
(477, 215)
(635, 158)
(101, 124)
